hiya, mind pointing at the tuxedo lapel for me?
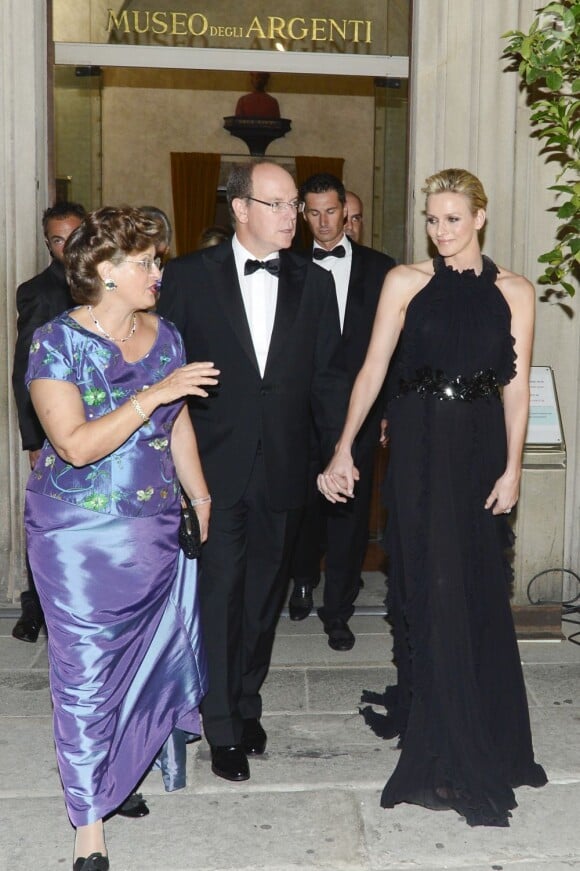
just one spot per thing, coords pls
(290, 284)
(355, 295)
(222, 269)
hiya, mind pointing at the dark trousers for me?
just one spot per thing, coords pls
(244, 575)
(341, 533)
(29, 598)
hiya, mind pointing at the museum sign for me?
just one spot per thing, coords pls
(299, 25)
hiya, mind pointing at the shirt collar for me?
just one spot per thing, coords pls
(344, 241)
(242, 254)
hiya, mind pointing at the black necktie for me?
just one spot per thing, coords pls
(271, 266)
(321, 253)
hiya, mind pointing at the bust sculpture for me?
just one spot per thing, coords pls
(257, 120)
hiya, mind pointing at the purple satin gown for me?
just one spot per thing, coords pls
(127, 665)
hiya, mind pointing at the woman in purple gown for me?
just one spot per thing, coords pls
(464, 330)
(126, 660)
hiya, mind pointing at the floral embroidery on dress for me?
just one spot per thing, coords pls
(139, 478)
(95, 502)
(159, 444)
(94, 396)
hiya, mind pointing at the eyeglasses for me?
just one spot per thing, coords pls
(278, 206)
(145, 263)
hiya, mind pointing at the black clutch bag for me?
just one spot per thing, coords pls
(189, 531)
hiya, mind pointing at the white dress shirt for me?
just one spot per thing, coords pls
(340, 268)
(260, 295)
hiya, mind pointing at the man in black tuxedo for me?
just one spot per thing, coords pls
(340, 531)
(267, 317)
(37, 301)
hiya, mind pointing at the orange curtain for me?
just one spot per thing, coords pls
(194, 180)
(307, 166)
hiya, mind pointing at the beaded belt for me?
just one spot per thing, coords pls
(428, 383)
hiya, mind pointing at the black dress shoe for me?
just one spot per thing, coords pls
(231, 762)
(253, 738)
(134, 807)
(94, 862)
(339, 635)
(300, 602)
(27, 628)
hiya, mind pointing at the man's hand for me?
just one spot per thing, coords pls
(384, 438)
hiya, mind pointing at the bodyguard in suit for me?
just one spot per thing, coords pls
(340, 530)
(267, 317)
(38, 301)
(354, 220)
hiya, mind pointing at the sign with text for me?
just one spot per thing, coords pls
(283, 25)
(544, 424)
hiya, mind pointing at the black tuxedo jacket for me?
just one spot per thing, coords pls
(38, 301)
(304, 372)
(367, 274)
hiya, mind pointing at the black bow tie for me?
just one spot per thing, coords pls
(321, 253)
(271, 266)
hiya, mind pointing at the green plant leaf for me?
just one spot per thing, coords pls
(569, 20)
(569, 288)
(554, 80)
(553, 9)
(526, 47)
(566, 210)
(547, 58)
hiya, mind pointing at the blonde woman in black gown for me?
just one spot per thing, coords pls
(465, 328)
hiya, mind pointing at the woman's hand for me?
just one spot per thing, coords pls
(203, 512)
(188, 380)
(504, 494)
(337, 481)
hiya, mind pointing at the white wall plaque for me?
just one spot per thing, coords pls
(544, 424)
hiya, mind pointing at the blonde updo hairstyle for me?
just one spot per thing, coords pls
(109, 233)
(457, 181)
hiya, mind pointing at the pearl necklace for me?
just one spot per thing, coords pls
(106, 334)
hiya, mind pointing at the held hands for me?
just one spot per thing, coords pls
(504, 494)
(337, 481)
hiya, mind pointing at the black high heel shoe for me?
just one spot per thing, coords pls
(94, 862)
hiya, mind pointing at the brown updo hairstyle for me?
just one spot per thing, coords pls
(108, 233)
(457, 181)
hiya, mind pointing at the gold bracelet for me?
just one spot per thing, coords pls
(201, 501)
(137, 406)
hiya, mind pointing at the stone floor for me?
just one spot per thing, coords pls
(313, 799)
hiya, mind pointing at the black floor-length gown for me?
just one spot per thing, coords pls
(460, 705)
